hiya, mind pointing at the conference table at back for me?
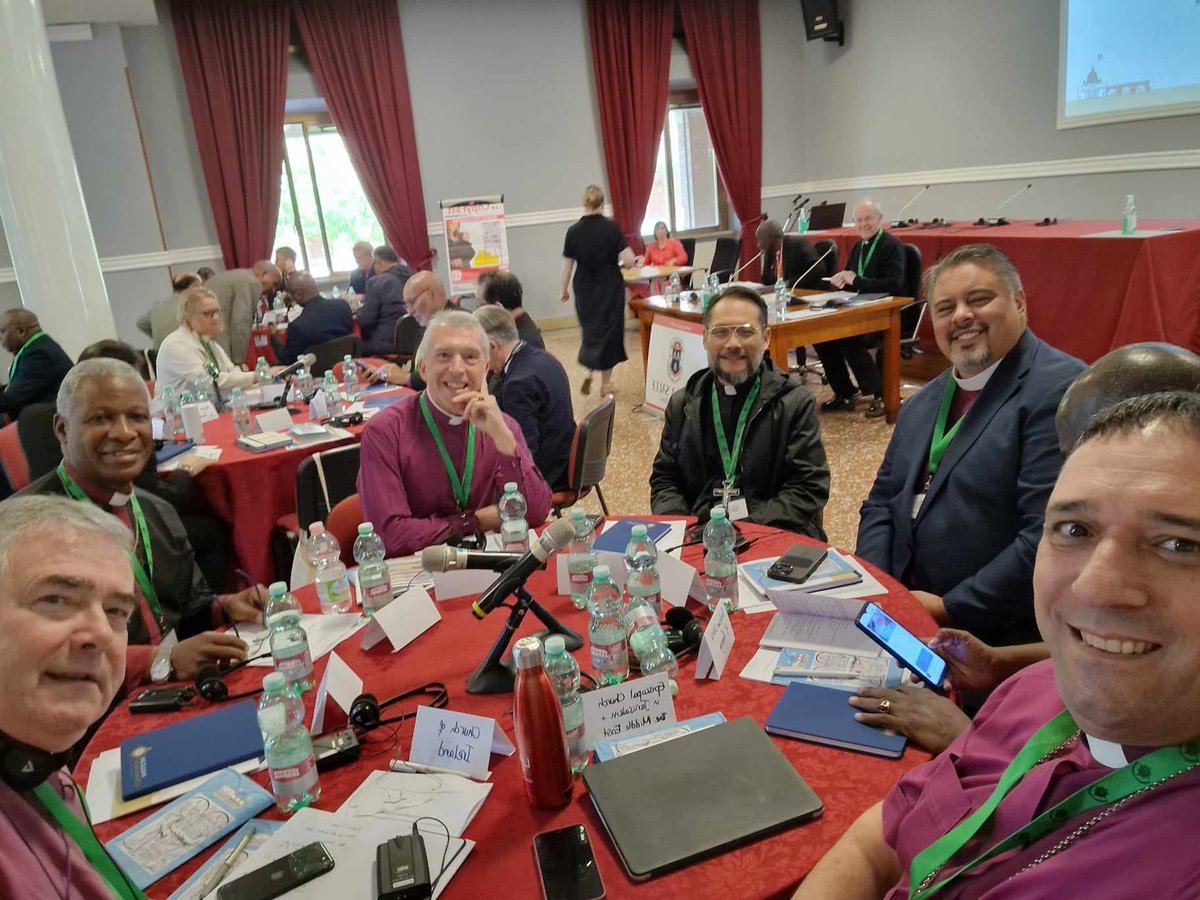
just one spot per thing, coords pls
(502, 863)
(1087, 294)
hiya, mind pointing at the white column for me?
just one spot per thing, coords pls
(41, 201)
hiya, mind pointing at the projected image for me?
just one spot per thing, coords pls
(1128, 59)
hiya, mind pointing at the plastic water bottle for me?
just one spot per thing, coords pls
(303, 382)
(288, 745)
(202, 388)
(673, 287)
(333, 399)
(1129, 216)
(333, 584)
(349, 379)
(641, 559)
(782, 296)
(185, 397)
(803, 222)
(351, 296)
(172, 417)
(581, 557)
(720, 562)
(337, 293)
(289, 642)
(262, 370)
(374, 577)
(564, 676)
(243, 421)
(514, 530)
(647, 639)
(606, 629)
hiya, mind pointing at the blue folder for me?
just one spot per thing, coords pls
(616, 536)
(188, 749)
(821, 715)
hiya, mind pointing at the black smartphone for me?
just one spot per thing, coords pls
(161, 700)
(798, 563)
(901, 643)
(281, 876)
(566, 865)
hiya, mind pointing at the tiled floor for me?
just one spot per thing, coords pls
(854, 445)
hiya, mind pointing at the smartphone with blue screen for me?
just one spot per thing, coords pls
(901, 643)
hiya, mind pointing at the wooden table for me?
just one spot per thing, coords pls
(882, 316)
(649, 274)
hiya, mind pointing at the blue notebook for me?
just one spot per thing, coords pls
(188, 749)
(810, 712)
(615, 537)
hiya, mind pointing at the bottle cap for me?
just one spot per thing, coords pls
(555, 645)
(315, 528)
(527, 653)
(277, 588)
(601, 571)
(274, 682)
(510, 486)
(366, 528)
(236, 394)
(637, 531)
(718, 513)
(577, 514)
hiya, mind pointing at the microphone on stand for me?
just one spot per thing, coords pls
(900, 221)
(553, 538)
(828, 250)
(444, 558)
(1000, 220)
(305, 360)
(738, 270)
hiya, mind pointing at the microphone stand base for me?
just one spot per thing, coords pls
(496, 674)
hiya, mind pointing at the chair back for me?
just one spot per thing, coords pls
(407, 336)
(830, 262)
(798, 258)
(591, 446)
(725, 258)
(151, 356)
(329, 352)
(323, 480)
(12, 457)
(343, 522)
(912, 271)
(911, 315)
(689, 247)
(35, 427)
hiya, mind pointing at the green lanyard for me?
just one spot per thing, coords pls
(87, 842)
(1141, 775)
(12, 369)
(460, 487)
(729, 460)
(863, 262)
(143, 574)
(208, 351)
(942, 437)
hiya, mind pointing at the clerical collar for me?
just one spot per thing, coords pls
(97, 494)
(508, 362)
(976, 382)
(1106, 752)
(730, 390)
(453, 419)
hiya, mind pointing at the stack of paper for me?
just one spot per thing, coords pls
(324, 633)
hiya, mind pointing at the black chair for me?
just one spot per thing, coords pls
(589, 456)
(322, 481)
(689, 247)
(333, 351)
(408, 336)
(35, 430)
(799, 257)
(830, 262)
(912, 315)
(725, 258)
(151, 357)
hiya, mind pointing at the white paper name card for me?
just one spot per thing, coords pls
(457, 740)
(403, 620)
(275, 420)
(624, 709)
(715, 645)
(615, 562)
(339, 682)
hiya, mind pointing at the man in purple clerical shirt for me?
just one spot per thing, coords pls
(1115, 598)
(422, 479)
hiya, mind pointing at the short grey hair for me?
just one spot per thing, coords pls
(498, 324)
(21, 516)
(190, 304)
(450, 318)
(986, 256)
(876, 205)
(97, 367)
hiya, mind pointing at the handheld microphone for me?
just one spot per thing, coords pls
(900, 221)
(553, 538)
(443, 558)
(828, 250)
(738, 270)
(305, 360)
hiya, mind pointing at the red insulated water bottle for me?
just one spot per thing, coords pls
(541, 740)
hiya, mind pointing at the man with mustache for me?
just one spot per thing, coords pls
(956, 510)
(434, 464)
(742, 430)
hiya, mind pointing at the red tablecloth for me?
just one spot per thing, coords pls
(847, 782)
(1086, 295)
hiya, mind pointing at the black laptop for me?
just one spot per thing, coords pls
(826, 216)
(725, 786)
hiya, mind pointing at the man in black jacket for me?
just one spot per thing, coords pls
(742, 428)
(875, 265)
(38, 365)
(384, 304)
(321, 319)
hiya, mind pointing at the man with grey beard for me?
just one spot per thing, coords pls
(741, 433)
(957, 507)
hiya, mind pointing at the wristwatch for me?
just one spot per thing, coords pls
(160, 668)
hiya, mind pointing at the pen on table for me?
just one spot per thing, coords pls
(221, 869)
(403, 765)
(795, 671)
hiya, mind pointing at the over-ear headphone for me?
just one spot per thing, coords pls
(365, 710)
(24, 767)
(210, 681)
(684, 631)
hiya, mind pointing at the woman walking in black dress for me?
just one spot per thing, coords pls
(595, 250)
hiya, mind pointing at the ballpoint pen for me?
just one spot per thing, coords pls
(221, 869)
(797, 672)
(403, 765)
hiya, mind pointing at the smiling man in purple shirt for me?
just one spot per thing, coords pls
(434, 464)
(1113, 716)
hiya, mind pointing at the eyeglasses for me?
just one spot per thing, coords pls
(722, 332)
(214, 314)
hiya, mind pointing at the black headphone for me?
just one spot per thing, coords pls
(210, 681)
(23, 767)
(684, 631)
(365, 710)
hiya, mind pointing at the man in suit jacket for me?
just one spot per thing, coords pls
(957, 507)
(532, 387)
(38, 365)
(163, 317)
(321, 319)
(239, 291)
(875, 265)
(385, 302)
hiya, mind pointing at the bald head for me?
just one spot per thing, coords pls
(424, 296)
(768, 235)
(1126, 372)
(302, 286)
(268, 274)
(16, 327)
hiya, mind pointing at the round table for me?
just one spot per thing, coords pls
(847, 782)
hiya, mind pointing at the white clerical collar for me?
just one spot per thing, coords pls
(119, 499)
(976, 382)
(454, 419)
(1106, 752)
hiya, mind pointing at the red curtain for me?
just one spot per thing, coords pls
(358, 60)
(631, 59)
(723, 48)
(234, 60)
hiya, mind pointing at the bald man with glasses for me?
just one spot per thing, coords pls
(741, 432)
